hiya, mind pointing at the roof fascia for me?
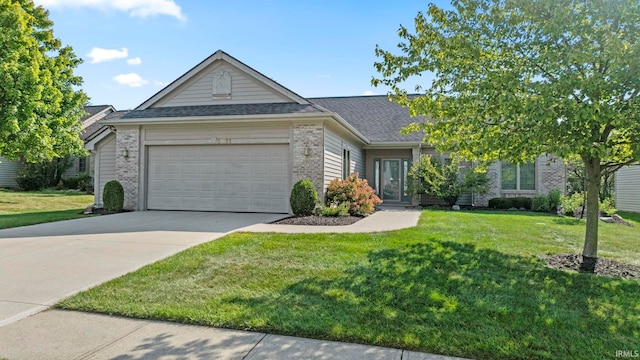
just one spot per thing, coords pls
(91, 144)
(217, 119)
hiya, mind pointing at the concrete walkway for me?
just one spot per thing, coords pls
(42, 264)
(58, 334)
(389, 218)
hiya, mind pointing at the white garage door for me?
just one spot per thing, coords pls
(244, 178)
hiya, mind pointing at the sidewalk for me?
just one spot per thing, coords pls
(389, 218)
(59, 334)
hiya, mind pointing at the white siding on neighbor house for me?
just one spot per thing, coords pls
(628, 188)
(333, 152)
(105, 169)
(8, 171)
(199, 90)
(215, 133)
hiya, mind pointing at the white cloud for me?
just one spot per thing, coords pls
(368, 93)
(131, 79)
(134, 61)
(160, 83)
(99, 55)
(139, 8)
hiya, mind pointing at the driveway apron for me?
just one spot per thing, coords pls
(42, 264)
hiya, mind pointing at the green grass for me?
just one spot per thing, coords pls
(465, 284)
(20, 208)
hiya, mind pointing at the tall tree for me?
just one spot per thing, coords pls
(40, 104)
(514, 79)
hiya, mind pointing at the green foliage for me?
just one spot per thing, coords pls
(503, 203)
(40, 105)
(521, 202)
(429, 175)
(113, 196)
(303, 198)
(576, 180)
(82, 182)
(354, 191)
(335, 210)
(540, 203)
(554, 199)
(44, 174)
(518, 79)
(571, 203)
(607, 206)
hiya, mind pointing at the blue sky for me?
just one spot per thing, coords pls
(133, 48)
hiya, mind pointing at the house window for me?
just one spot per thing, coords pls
(82, 164)
(518, 176)
(346, 163)
(376, 175)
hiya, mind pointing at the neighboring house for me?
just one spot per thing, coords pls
(9, 169)
(224, 137)
(627, 183)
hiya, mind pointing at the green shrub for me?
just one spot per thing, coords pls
(82, 182)
(607, 206)
(445, 180)
(521, 202)
(501, 203)
(113, 196)
(572, 202)
(303, 198)
(540, 203)
(334, 210)
(354, 191)
(30, 182)
(553, 197)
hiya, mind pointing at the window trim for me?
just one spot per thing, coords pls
(346, 163)
(518, 178)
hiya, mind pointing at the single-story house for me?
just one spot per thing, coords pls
(90, 125)
(224, 137)
(627, 183)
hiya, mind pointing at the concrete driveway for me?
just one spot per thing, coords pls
(42, 264)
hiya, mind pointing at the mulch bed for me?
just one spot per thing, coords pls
(314, 220)
(604, 267)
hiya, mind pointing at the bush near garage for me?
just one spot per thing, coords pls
(303, 198)
(113, 196)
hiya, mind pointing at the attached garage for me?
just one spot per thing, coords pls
(242, 178)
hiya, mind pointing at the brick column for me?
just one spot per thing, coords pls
(308, 155)
(128, 164)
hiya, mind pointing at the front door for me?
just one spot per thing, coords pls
(391, 180)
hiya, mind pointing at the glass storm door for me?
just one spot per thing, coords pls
(391, 180)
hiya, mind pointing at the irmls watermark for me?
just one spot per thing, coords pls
(628, 353)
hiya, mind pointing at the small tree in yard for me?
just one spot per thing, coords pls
(517, 79)
(429, 175)
(303, 198)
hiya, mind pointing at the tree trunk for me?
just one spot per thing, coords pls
(590, 251)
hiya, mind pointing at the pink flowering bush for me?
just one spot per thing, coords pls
(354, 191)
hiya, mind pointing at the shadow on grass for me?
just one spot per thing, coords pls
(455, 299)
(38, 217)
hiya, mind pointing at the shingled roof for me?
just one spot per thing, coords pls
(92, 110)
(222, 110)
(377, 118)
(97, 128)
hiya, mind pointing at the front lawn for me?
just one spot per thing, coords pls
(19, 208)
(465, 284)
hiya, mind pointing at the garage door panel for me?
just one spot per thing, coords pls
(250, 178)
